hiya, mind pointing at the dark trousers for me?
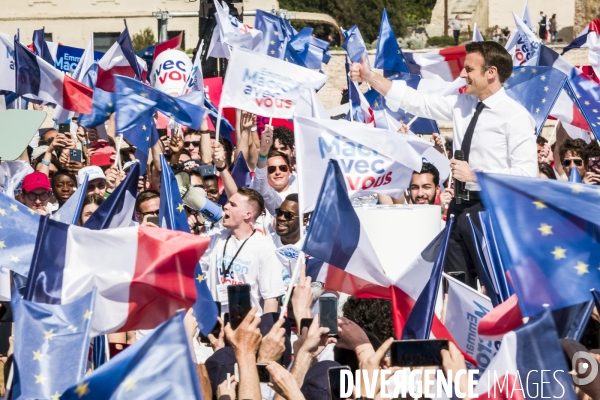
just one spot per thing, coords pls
(456, 36)
(462, 253)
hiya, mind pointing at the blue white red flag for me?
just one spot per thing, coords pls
(589, 38)
(444, 64)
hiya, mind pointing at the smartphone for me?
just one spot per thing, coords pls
(418, 353)
(76, 155)
(305, 323)
(593, 164)
(226, 318)
(162, 132)
(328, 314)
(239, 303)
(64, 128)
(207, 170)
(460, 276)
(263, 374)
(216, 330)
(334, 375)
(153, 220)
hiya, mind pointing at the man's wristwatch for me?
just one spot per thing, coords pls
(221, 169)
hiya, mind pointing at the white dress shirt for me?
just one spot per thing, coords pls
(273, 198)
(504, 137)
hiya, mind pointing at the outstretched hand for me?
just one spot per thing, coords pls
(360, 72)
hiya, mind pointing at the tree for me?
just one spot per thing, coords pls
(143, 39)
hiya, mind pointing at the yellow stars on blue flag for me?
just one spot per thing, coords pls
(582, 268)
(40, 379)
(14, 259)
(539, 204)
(546, 88)
(545, 229)
(578, 188)
(180, 207)
(141, 106)
(88, 314)
(14, 207)
(37, 355)
(2, 244)
(559, 253)
(82, 389)
(129, 384)
(543, 77)
(2, 212)
(200, 278)
(55, 396)
(49, 334)
(72, 328)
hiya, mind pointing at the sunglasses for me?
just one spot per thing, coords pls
(195, 143)
(100, 185)
(578, 162)
(282, 168)
(153, 213)
(288, 215)
(41, 196)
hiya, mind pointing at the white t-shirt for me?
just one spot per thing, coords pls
(285, 254)
(455, 24)
(255, 265)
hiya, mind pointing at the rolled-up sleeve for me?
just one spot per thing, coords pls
(270, 195)
(432, 106)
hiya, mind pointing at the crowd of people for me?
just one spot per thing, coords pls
(265, 217)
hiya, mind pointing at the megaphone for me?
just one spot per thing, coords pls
(195, 198)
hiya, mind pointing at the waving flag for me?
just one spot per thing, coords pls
(17, 236)
(444, 64)
(500, 320)
(143, 136)
(70, 211)
(103, 102)
(354, 44)
(511, 43)
(360, 110)
(41, 47)
(240, 174)
(514, 359)
(389, 159)
(419, 321)
(477, 36)
(527, 46)
(274, 39)
(572, 321)
(146, 268)
(38, 80)
(7, 62)
(589, 38)
(137, 102)
(311, 51)
(230, 33)
(585, 94)
(226, 129)
(389, 56)
(136, 374)
(170, 44)
(55, 354)
(120, 59)
(117, 210)
(492, 256)
(549, 233)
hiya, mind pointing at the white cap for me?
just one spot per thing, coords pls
(93, 172)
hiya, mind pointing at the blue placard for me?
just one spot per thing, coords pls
(68, 57)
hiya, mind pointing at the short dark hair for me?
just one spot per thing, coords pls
(292, 197)
(254, 198)
(372, 315)
(429, 168)
(275, 153)
(66, 173)
(575, 146)
(494, 55)
(285, 136)
(546, 169)
(541, 140)
(592, 149)
(143, 197)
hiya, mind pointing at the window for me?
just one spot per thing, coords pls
(47, 37)
(103, 40)
(172, 34)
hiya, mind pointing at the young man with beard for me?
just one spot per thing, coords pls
(238, 255)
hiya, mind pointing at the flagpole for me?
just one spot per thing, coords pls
(218, 127)
(118, 155)
(411, 121)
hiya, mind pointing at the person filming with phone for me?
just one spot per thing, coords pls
(492, 133)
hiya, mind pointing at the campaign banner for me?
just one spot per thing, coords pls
(264, 85)
(372, 160)
(528, 44)
(68, 57)
(7, 62)
(170, 71)
(465, 308)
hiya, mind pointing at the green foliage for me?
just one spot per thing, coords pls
(143, 39)
(440, 41)
(364, 13)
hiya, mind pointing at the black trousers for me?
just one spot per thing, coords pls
(462, 253)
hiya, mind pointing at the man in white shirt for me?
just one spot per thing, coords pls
(273, 177)
(495, 133)
(455, 25)
(236, 255)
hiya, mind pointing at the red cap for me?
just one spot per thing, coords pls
(36, 180)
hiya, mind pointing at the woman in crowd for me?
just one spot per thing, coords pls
(91, 202)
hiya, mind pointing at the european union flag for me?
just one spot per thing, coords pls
(493, 251)
(172, 215)
(103, 102)
(585, 93)
(137, 102)
(354, 44)
(274, 36)
(240, 174)
(226, 128)
(18, 232)
(418, 323)
(157, 366)
(311, 50)
(70, 211)
(143, 136)
(536, 89)
(389, 56)
(549, 238)
(292, 56)
(52, 352)
(147, 54)
(572, 321)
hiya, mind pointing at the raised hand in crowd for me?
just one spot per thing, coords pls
(176, 146)
(273, 343)
(245, 340)
(81, 134)
(454, 361)
(266, 141)
(227, 389)
(113, 178)
(545, 154)
(244, 143)
(303, 296)
(592, 177)
(376, 361)
(446, 197)
(352, 337)
(283, 382)
(219, 341)
(55, 145)
(438, 142)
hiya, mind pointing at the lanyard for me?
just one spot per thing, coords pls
(226, 270)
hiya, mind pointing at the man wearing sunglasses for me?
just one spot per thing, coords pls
(191, 142)
(36, 192)
(147, 205)
(273, 177)
(572, 154)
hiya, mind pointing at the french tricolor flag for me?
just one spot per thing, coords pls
(170, 44)
(143, 274)
(337, 238)
(589, 38)
(444, 64)
(38, 80)
(516, 370)
(120, 59)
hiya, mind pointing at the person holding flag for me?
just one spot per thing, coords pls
(493, 133)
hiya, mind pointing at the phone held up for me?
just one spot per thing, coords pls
(328, 314)
(239, 303)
